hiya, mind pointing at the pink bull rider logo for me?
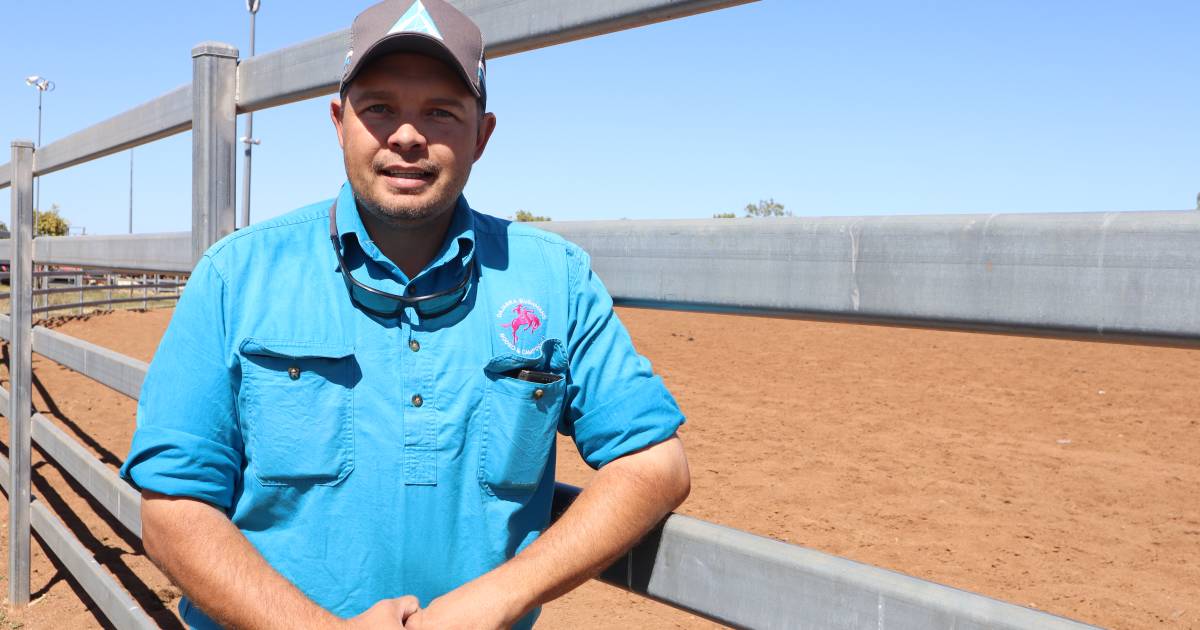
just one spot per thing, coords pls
(520, 323)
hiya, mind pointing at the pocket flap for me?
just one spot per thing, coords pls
(551, 357)
(295, 349)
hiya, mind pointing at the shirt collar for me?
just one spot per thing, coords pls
(457, 250)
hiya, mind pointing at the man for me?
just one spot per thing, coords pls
(350, 420)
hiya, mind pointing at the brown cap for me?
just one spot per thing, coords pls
(428, 27)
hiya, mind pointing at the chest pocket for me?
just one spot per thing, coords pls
(521, 417)
(295, 405)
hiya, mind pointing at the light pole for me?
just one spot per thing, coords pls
(248, 139)
(43, 85)
(131, 191)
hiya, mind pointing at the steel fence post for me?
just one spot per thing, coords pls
(20, 367)
(79, 279)
(36, 279)
(214, 134)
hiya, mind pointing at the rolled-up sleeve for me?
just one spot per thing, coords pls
(615, 403)
(187, 441)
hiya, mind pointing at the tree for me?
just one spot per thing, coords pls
(725, 215)
(767, 208)
(524, 216)
(49, 222)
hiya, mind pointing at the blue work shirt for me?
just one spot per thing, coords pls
(369, 457)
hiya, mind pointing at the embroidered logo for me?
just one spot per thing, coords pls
(521, 325)
(416, 20)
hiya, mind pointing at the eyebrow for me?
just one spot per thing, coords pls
(388, 94)
(447, 101)
(375, 94)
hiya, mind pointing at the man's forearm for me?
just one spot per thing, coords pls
(220, 571)
(625, 500)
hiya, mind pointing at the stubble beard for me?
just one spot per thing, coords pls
(408, 211)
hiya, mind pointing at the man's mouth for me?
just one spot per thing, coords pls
(406, 177)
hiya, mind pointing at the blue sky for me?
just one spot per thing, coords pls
(832, 108)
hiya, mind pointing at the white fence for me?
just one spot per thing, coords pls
(1131, 277)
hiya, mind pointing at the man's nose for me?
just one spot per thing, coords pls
(406, 138)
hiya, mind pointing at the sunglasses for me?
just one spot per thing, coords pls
(386, 304)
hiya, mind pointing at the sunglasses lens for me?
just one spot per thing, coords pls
(391, 305)
(388, 305)
(440, 305)
(378, 304)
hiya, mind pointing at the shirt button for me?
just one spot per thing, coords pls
(538, 393)
(417, 400)
(414, 345)
(294, 372)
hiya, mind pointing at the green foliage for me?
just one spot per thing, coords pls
(767, 208)
(725, 215)
(524, 216)
(49, 222)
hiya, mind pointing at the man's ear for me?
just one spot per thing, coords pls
(335, 114)
(487, 124)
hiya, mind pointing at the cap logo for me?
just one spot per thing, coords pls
(416, 20)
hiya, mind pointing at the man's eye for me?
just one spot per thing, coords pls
(441, 113)
(378, 109)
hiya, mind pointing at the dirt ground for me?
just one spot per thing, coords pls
(1054, 474)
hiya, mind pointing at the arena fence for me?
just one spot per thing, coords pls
(97, 288)
(1129, 277)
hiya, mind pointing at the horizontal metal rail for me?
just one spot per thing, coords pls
(106, 287)
(161, 117)
(1126, 276)
(112, 599)
(100, 481)
(141, 253)
(122, 373)
(113, 369)
(515, 26)
(720, 573)
(314, 68)
(109, 596)
(70, 272)
(78, 305)
(1130, 276)
(743, 580)
(53, 275)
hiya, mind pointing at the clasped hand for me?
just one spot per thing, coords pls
(452, 611)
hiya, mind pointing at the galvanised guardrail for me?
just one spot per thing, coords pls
(716, 572)
(956, 272)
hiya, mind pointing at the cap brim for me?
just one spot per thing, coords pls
(419, 43)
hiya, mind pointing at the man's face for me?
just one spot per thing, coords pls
(410, 130)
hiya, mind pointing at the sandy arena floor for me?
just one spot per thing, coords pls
(1055, 474)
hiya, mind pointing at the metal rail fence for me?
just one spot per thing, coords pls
(1126, 277)
(82, 281)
